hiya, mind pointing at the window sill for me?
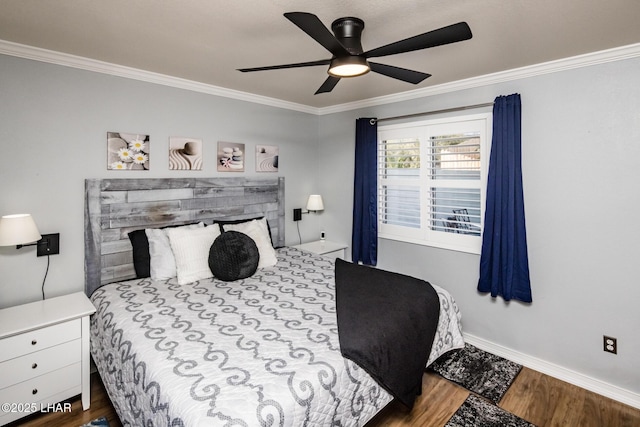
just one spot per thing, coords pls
(438, 245)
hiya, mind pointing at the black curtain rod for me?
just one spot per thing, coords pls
(447, 110)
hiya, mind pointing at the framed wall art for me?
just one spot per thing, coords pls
(185, 153)
(267, 158)
(230, 157)
(127, 151)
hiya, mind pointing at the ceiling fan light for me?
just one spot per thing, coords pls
(350, 66)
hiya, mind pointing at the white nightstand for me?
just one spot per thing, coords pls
(325, 247)
(44, 355)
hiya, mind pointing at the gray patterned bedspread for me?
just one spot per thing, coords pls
(256, 352)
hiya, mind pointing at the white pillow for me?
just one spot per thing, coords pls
(191, 251)
(258, 230)
(163, 263)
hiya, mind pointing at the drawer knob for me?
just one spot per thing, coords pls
(34, 366)
(34, 342)
(34, 391)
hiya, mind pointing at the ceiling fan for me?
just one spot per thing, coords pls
(349, 60)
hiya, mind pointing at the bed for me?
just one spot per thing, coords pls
(262, 350)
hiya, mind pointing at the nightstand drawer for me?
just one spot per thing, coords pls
(29, 342)
(44, 386)
(35, 364)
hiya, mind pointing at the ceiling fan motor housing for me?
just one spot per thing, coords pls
(348, 31)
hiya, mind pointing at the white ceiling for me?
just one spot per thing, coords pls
(205, 41)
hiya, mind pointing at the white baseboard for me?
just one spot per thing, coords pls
(597, 386)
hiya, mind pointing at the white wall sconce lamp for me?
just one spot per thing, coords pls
(20, 230)
(314, 204)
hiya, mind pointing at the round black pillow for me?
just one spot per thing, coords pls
(233, 255)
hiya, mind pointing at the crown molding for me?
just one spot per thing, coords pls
(73, 61)
(59, 58)
(564, 64)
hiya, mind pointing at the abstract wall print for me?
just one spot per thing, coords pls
(185, 153)
(230, 157)
(127, 151)
(266, 158)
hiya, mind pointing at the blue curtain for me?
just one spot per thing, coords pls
(364, 237)
(504, 264)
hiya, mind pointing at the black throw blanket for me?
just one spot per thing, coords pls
(386, 324)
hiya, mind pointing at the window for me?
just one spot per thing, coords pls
(431, 181)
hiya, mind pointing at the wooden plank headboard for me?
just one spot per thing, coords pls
(114, 207)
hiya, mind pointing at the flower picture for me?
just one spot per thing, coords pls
(127, 151)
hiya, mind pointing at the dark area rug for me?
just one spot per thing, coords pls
(98, 422)
(478, 371)
(476, 411)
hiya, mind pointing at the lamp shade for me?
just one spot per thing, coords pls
(315, 203)
(18, 229)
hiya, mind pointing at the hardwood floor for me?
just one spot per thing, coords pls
(538, 398)
(100, 407)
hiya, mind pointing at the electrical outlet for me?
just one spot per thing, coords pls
(297, 214)
(610, 344)
(48, 245)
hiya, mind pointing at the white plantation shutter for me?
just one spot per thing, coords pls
(454, 175)
(431, 181)
(399, 197)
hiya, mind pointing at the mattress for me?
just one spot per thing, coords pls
(262, 351)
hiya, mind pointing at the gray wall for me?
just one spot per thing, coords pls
(580, 150)
(581, 147)
(53, 126)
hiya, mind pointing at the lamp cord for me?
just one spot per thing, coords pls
(45, 277)
(298, 226)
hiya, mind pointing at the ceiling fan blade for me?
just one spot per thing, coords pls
(311, 24)
(279, 67)
(328, 85)
(403, 74)
(445, 35)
